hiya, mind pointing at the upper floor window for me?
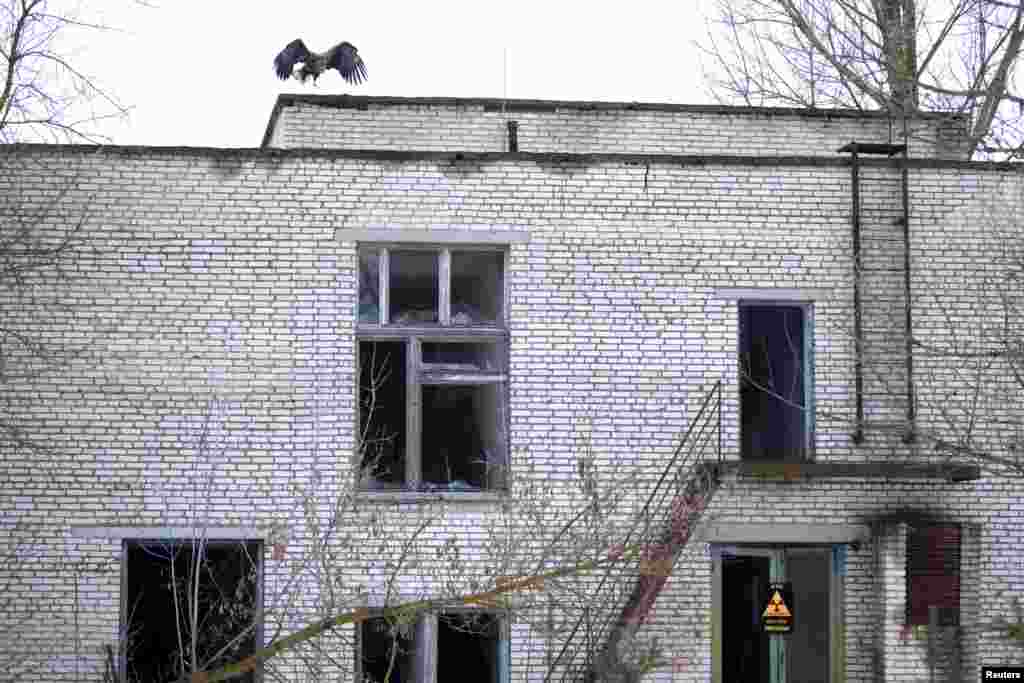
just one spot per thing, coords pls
(432, 369)
(439, 286)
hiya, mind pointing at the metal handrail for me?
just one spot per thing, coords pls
(694, 440)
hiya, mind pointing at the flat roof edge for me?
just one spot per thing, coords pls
(580, 158)
(346, 101)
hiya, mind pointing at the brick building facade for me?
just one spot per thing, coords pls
(627, 273)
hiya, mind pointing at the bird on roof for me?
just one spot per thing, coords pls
(344, 57)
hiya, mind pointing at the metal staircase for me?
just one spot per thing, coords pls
(622, 596)
(883, 325)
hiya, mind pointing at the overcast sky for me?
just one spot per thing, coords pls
(199, 72)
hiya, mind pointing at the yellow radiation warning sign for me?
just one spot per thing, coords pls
(777, 616)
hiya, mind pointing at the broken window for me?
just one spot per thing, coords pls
(382, 409)
(369, 286)
(476, 287)
(464, 288)
(386, 652)
(176, 588)
(775, 382)
(413, 287)
(433, 382)
(455, 357)
(459, 449)
(469, 648)
(933, 574)
(451, 646)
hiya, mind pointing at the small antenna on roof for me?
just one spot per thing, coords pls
(504, 78)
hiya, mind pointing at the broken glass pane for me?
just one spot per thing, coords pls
(369, 286)
(477, 287)
(382, 414)
(413, 292)
(460, 429)
(387, 651)
(159, 590)
(469, 648)
(461, 357)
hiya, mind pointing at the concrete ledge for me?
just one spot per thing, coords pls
(772, 294)
(433, 236)
(715, 532)
(212, 533)
(795, 470)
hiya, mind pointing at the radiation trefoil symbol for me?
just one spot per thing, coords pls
(776, 607)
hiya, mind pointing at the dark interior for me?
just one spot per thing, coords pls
(744, 646)
(467, 648)
(227, 600)
(456, 423)
(384, 649)
(476, 287)
(413, 287)
(772, 382)
(382, 413)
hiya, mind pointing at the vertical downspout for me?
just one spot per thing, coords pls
(858, 341)
(909, 434)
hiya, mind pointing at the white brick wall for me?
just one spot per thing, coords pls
(223, 283)
(475, 125)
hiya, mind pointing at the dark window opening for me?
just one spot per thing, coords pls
(933, 574)
(160, 576)
(459, 428)
(369, 286)
(469, 648)
(458, 357)
(382, 414)
(476, 287)
(387, 652)
(413, 289)
(772, 382)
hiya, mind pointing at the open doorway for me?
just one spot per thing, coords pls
(775, 381)
(743, 650)
(744, 647)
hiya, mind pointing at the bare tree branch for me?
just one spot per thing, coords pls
(42, 90)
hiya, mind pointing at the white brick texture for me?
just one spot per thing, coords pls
(207, 323)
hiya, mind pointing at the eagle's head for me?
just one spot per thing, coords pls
(305, 72)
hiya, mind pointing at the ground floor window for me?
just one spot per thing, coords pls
(188, 605)
(466, 645)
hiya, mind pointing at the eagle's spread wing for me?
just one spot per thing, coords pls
(347, 61)
(287, 58)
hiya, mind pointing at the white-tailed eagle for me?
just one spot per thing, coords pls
(342, 57)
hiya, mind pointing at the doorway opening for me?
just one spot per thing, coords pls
(775, 381)
(744, 647)
(743, 650)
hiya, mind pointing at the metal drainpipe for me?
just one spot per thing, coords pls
(858, 341)
(909, 435)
